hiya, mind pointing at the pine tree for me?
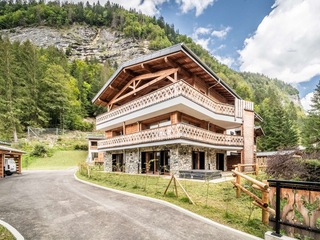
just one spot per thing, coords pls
(280, 131)
(311, 130)
(10, 102)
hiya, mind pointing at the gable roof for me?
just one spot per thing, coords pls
(178, 56)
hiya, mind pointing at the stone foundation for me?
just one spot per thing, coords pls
(180, 158)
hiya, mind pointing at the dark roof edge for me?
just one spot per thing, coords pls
(165, 51)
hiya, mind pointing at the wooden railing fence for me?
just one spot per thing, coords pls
(262, 202)
(248, 168)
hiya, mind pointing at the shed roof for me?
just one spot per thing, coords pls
(5, 149)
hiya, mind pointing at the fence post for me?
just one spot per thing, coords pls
(238, 181)
(265, 200)
(277, 233)
(257, 169)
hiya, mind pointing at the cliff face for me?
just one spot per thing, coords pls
(81, 42)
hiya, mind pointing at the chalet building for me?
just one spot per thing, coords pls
(94, 156)
(167, 112)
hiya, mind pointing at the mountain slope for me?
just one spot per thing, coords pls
(112, 35)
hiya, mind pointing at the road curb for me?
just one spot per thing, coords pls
(182, 210)
(11, 229)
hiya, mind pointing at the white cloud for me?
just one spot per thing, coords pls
(204, 36)
(286, 43)
(200, 36)
(198, 5)
(222, 33)
(225, 60)
(306, 101)
(203, 42)
(148, 7)
(202, 30)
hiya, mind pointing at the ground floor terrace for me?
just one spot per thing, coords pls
(166, 159)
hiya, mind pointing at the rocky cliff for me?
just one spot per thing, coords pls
(81, 42)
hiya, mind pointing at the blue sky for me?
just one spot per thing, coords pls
(278, 38)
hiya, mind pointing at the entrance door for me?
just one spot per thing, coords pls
(220, 161)
(198, 160)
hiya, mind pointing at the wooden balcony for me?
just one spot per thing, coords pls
(171, 91)
(173, 132)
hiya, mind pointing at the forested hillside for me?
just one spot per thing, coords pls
(43, 87)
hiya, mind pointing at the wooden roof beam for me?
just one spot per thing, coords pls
(146, 67)
(182, 70)
(129, 72)
(164, 74)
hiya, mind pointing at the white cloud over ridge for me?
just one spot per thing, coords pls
(286, 43)
(306, 101)
(222, 33)
(149, 7)
(198, 5)
(205, 35)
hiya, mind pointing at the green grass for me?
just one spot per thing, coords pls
(5, 234)
(59, 160)
(215, 201)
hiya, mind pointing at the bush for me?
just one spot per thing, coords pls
(287, 167)
(313, 170)
(40, 151)
(81, 147)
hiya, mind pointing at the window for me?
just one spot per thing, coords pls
(117, 163)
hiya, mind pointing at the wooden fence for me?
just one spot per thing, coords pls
(262, 202)
(249, 168)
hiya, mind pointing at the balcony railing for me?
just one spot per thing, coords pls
(176, 131)
(174, 90)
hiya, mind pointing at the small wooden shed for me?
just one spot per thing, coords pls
(9, 152)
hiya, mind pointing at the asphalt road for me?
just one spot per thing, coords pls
(53, 205)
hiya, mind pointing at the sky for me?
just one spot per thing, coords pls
(277, 38)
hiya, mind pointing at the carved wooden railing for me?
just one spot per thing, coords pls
(177, 131)
(174, 90)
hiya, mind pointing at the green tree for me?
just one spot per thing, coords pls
(61, 97)
(311, 129)
(10, 102)
(280, 132)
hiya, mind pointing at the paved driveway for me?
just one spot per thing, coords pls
(53, 205)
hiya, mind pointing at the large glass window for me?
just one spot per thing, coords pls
(155, 162)
(117, 163)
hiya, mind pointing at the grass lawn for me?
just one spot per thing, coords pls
(215, 201)
(59, 160)
(5, 234)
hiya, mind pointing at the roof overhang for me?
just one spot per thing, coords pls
(9, 150)
(178, 56)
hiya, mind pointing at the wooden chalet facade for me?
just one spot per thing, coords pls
(168, 111)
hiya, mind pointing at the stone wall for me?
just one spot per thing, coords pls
(131, 160)
(180, 157)
(108, 161)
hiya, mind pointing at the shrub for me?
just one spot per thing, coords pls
(40, 151)
(81, 147)
(286, 166)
